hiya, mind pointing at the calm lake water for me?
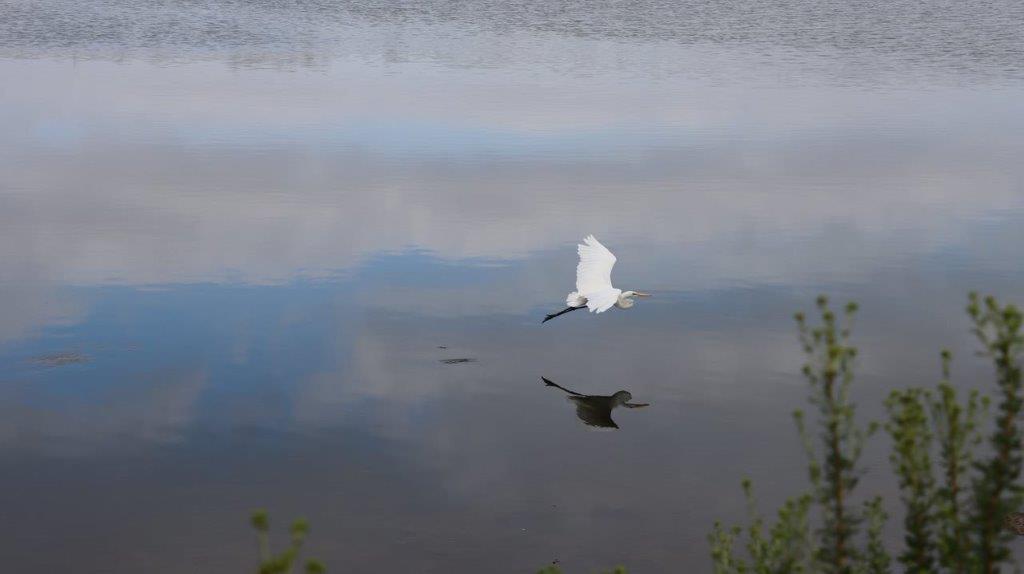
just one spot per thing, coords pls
(239, 239)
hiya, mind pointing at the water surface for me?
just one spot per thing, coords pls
(235, 236)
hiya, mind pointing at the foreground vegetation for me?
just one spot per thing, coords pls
(958, 469)
(284, 561)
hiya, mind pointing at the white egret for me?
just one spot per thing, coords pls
(594, 282)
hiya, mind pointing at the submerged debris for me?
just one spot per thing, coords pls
(1015, 522)
(60, 359)
(457, 361)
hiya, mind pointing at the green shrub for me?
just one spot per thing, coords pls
(954, 499)
(283, 562)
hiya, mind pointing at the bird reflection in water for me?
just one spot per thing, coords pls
(596, 410)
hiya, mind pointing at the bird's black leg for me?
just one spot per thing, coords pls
(551, 383)
(562, 312)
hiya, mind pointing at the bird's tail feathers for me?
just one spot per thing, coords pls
(574, 299)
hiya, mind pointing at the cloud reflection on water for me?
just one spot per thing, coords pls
(151, 186)
(288, 245)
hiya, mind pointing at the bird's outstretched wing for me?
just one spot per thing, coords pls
(594, 275)
(594, 412)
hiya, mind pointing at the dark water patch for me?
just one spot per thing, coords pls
(60, 359)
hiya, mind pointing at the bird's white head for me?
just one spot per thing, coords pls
(626, 299)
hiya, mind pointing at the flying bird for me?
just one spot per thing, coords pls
(594, 282)
(596, 410)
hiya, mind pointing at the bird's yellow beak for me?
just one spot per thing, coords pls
(639, 294)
